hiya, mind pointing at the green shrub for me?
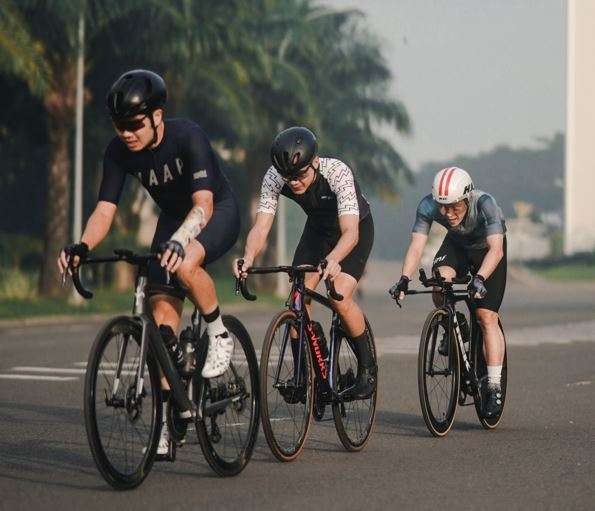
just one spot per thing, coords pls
(17, 285)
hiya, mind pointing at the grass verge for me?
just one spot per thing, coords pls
(107, 301)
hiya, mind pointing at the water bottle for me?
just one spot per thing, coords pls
(188, 348)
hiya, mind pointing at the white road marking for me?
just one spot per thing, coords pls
(31, 369)
(36, 377)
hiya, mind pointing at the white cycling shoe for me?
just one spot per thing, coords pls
(218, 356)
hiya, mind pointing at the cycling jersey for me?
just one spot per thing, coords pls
(333, 193)
(182, 163)
(484, 218)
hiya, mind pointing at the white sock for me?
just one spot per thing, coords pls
(494, 375)
(215, 327)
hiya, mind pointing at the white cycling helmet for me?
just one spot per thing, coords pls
(451, 185)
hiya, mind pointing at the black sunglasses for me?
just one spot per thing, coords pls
(130, 124)
(298, 176)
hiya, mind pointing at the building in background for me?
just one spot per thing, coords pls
(579, 224)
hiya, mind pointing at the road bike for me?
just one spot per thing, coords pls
(300, 378)
(123, 402)
(451, 361)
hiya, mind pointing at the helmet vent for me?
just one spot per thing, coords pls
(296, 158)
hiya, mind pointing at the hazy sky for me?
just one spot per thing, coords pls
(472, 73)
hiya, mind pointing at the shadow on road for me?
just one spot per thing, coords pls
(405, 424)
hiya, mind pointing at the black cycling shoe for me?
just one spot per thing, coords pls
(365, 384)
(292, 394)
(493, 403)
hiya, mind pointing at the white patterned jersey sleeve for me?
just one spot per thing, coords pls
(269, 192)
(342, 184)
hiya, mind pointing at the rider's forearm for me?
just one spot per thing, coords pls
(414, 253)
(255, 242)
(97, 228)
(345, 245)
(493, 256)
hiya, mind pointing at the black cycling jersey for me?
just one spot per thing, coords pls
(183, 163)
(333, 193)
(484, 218)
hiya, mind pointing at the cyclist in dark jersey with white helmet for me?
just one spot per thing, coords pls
(339, 229)
(199, 220)
(475, 242)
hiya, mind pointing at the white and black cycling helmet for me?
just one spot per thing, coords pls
(292, 150)
(451, 185)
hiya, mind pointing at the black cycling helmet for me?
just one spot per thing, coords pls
(136, 92)
(293, 149)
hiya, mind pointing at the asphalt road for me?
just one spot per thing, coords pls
(541, 457)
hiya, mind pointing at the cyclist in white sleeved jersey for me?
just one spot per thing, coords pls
(339, 229)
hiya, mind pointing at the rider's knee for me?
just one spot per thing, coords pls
(487, 317)
(342, 306)
(187, 272)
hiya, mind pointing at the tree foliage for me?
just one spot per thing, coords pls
(243, 69)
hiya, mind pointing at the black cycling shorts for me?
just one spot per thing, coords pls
(465, 261)
(314, 246)
(217, 238)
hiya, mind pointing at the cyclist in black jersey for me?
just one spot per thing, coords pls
(199, 220)
(339, 229)
(475, 242)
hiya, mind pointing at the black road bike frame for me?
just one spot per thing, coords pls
(295, 302)
(450, 297)
(151, 337)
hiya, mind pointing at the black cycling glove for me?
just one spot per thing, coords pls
(477, 286)
(77, 249)
(402, 285)
(174, 246)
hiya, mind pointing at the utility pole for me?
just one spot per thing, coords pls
(77, 224)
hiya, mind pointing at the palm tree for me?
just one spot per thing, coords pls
(39, 44)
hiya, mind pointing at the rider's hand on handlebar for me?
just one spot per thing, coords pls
(476, 287)
(72, 255)
(247, 262)
(171, 254)
(332, 269)
(398, 290)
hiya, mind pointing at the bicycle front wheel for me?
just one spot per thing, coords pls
(122, 429)
(286, 407)
(480, 365)
(230, 407)
(437, 374)
(354, 418)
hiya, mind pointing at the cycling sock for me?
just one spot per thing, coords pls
(494, 375)
(215, 323)
(361, 347)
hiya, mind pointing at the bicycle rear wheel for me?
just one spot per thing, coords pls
(437, 375)
(286, 408)
(122, 431)
(480, 365)
(354, 419)
(230, 407)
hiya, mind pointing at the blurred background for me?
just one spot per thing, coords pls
(397, 90)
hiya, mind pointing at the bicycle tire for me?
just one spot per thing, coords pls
(272, 420)
(437, 421)
(104, 458)
(480, 365)
(225, 462)
(352, 442)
